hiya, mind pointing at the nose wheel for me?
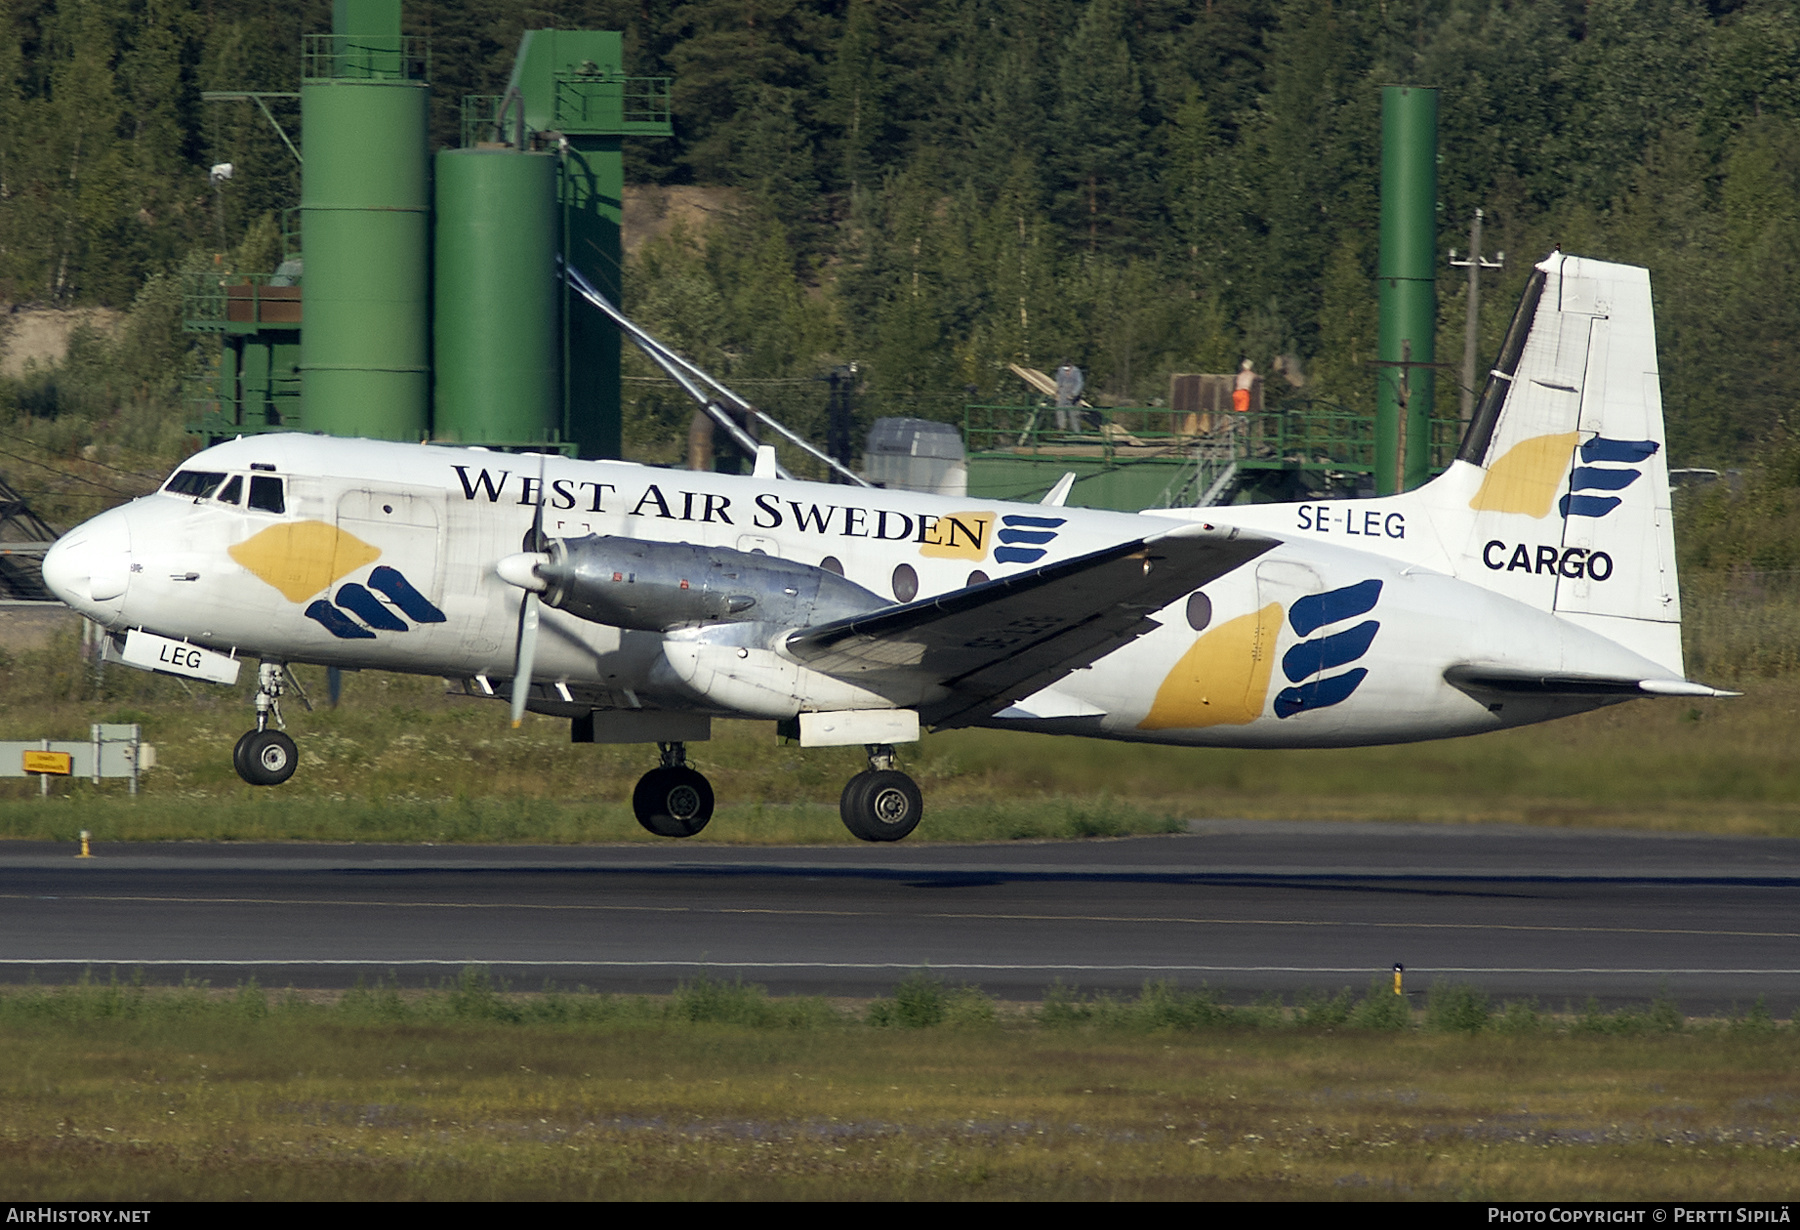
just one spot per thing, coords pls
(265, 757)
(881, 804)
(673, 799)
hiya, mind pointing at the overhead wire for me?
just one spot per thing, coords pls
(103, 465)
(70, 474)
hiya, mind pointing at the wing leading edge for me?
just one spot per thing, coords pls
(975, 651)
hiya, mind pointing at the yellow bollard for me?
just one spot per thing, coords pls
(84, 845)
(1399, 969)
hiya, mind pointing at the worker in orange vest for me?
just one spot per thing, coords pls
(1246, 381)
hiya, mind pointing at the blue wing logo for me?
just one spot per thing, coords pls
(375, 614)
(1306, 663)
(1596, 474)
(1026, 538)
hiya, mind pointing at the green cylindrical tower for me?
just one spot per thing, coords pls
(497, 343)
(365, 195)
(1408, 288)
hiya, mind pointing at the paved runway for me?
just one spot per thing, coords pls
(1245, 907)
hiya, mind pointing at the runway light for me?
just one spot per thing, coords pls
(84, 845)
(1399, 969)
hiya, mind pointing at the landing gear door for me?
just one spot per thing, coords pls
(405, 527)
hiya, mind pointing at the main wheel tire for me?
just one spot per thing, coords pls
(673, 802)
(266, 757)
(881, 805)
(237, 754)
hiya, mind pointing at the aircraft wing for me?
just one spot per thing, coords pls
(995, 643)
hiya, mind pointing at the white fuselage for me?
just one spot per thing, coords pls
(241, 580)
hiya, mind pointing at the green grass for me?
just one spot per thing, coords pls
(402, 761)
(720, 1091)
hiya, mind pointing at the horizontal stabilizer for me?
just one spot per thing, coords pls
(1524, 683)
(992, 644)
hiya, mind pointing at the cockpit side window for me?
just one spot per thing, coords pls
(233, 490)
(196, 483)
(266, 494)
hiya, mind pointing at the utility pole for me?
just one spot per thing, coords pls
(840, 414)
(1475, 264)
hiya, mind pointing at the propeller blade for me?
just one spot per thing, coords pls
(528, 612)
(537, 514)
(528, 635)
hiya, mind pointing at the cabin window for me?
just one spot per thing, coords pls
(266, 494)
(233, 490)
(1199, 611)
(197, 483)
(906, 583)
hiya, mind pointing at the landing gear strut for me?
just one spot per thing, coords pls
(673, 799)
(265, 757)
(881, 804)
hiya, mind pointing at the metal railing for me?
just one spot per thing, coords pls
(1303, 436)
(217, 413)
(206, 416)
(584, 104)
(213, 303)
(605, 106)
(348, 57)
(481, 120)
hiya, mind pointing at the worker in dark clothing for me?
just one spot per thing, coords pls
(1069, 382)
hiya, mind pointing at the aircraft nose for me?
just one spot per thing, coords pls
(66, 568)
(91, 564)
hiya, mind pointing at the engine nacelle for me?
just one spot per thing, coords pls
(659, 586)
(759, 681)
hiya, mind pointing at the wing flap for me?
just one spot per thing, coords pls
(965, 655)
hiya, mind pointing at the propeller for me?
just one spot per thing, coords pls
(528, 608)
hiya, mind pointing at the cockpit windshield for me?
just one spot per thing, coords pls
(196, 483)
(267, 493)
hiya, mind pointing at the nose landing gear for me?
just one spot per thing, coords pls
(673, 799)
(882, 803)
(265, 757)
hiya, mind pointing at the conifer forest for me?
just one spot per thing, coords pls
(932, 189)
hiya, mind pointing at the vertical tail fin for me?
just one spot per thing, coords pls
(1570, 494)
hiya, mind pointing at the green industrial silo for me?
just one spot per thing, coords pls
(1407, 288)
(498, 378)
(568, 91)
(365, 201)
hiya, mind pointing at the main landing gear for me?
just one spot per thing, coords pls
(882, 803)
(673, 799)
(265, 757)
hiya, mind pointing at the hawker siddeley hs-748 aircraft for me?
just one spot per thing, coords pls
(1532, 580)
